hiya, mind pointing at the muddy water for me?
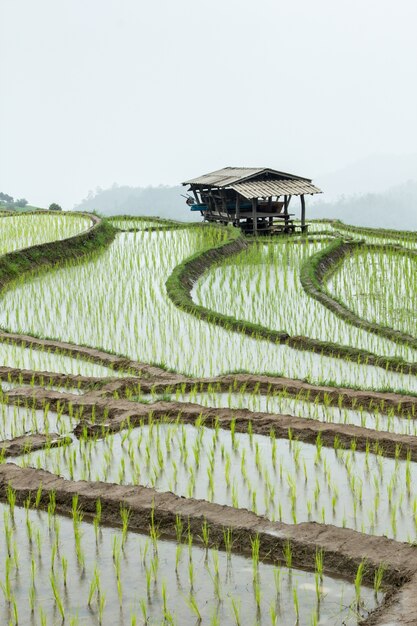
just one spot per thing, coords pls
(7, 386)
(53, 544)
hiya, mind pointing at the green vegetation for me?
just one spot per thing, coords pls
(205, 301)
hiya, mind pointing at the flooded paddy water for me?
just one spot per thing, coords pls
(53, 567)
(23, 231)
(282, 479)
(281, 404)
(129, 312)
(380, 287)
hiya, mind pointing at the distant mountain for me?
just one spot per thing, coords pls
(163, 201)
(395, 208)
(392, 208)
(374, 174)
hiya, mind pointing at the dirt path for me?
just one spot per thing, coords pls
(154, 379)
(344, 548)
(29, 443)
(112, 415)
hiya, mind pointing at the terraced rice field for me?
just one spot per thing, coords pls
(140, 223)
(23, 231)
(380, 287)
(194, 431)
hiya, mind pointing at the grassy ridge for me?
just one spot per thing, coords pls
(181, 281)
(19, 262)
(376, 232)
(319, 267)
(183, 277)
(163, 223)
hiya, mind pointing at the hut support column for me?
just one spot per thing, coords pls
(237, 210)
(254, 217)
(303, 213)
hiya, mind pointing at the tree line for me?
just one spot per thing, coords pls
(10, 202)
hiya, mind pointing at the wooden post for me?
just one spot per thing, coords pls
(224, 204)
(237, 210)
(254, 216)
(303, 213)
(217, 208)
(212, 206)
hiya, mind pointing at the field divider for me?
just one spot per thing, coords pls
(184, 275)
(335, 396)
(123, 414)
(41, 378)
(318, 268)
(360, 399)
(182, 279)
(52, 254)
(101, 415)
(29, 443)
(344, 549)
(406, 235)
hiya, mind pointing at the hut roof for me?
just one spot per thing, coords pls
(256, 182)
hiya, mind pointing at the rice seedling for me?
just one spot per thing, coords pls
(288, 554)
(11, 499)
(222, 289)
(139, 297)
(125, 515)
(57, 596)
(378, 578)
(333, 482)
(236, 611)
(296, 604)
(358, 582)
(192, 603)
(279, 478)
(379, 286)
(23, 231)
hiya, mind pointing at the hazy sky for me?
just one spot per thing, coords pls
(98, 91)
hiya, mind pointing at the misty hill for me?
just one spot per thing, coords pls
(163, 201)
(395, 208)
(373, 174)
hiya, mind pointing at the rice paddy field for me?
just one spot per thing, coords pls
(140, 223)
(25, 230)
(380, 287)
(189, 436)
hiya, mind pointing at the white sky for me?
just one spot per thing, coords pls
(98, 91)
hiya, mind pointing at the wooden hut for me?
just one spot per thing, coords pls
(255, 199)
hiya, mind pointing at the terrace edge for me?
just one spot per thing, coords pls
(318, 268)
